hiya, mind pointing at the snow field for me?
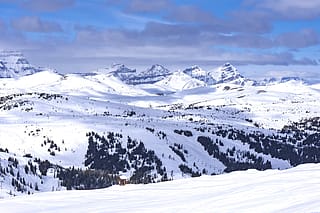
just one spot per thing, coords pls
(244, 191)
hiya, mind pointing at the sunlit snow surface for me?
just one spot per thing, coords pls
(292, 190)
(82, 108)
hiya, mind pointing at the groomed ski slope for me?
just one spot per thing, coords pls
(292, 190)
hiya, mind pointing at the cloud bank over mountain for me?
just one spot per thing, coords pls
(84, 35)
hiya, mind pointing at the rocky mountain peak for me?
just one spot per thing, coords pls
(121, 68)
(228, 69)
(199, 74)
(157, 70)
(14, 64)
(227, 73)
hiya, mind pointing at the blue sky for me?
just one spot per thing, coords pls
(262, 36)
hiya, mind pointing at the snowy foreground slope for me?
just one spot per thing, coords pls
(292, 190)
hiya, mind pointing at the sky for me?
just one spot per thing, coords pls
(260, 36)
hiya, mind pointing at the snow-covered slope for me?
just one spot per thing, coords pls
(76, 84)
(14, 64)
(293, 190)
(177, 127)
(180, 81)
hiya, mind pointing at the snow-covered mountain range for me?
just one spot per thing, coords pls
(14, 64)
(224, 74)
(82, 131)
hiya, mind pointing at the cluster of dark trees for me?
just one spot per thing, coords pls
(243, 161)
(44, 166)
(106, 158)
(187, 170)
(20, 185)
(76, 178)
(109, 155)
(53, 147)
(310, 124)
(49, 97)
(4, 150)
(186, 133)
(46, 96)
(298, 143)
(297, 146)
(162, 135)
(18, 180)
(178, 150)
(7, 102)
(86, 179)
(129, 113)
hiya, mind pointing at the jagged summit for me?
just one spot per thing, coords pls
(120, 71)
(195, 69)
(227, 73)
(14, 64)
(229, 67)
(152, 75)
(121, 68)
(224, 74)
(156, 70)
(199, 74)
(130, 76)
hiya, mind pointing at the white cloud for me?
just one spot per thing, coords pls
(35, 24)
(293, 9)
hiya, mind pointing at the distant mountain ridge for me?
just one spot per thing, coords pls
(130, 76)
(14, 64)
(274, 80)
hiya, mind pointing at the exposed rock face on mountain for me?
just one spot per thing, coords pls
(229, 74)
(154, 74)
(121, 69)
(223, 74)
(156, 70)
(14, 64)
(122, 72)
(274, 80)
(200, 74)
(131, 76)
